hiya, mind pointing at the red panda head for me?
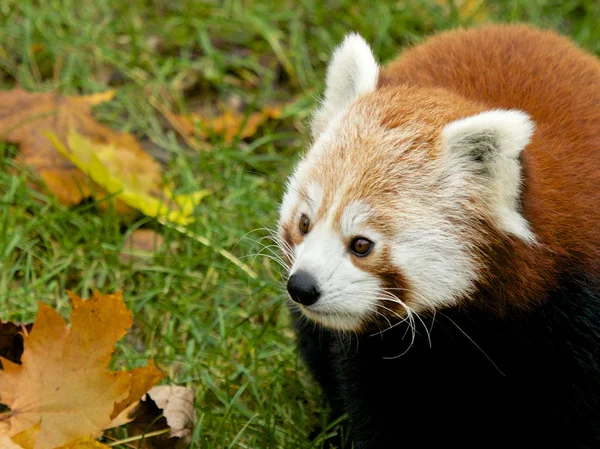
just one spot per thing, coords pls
(387, 212)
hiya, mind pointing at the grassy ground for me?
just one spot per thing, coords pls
(206, 322)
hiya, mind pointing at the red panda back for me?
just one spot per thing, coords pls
(545, 75)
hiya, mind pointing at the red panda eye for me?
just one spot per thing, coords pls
(304, 224)
(361, 246)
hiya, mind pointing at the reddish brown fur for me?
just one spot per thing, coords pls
(559, 86)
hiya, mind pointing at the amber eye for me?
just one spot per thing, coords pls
(361, 246)
(304, 224)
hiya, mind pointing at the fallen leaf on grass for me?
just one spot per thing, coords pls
(77, 157)
(141, 243)
(177, 404)
(142, 380)
(7, 443)
(23, 440)
(168, 413)
(62, 383)
(84, 443)
(229, 125)
(110, 165)
(25, 117)
(27, 438)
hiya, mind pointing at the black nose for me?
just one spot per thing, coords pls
(303, 288)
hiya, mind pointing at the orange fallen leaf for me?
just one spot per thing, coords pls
(27, 438)
(26, 118)
(84, 443)
(63, 383)
(143, 379)
(7, 443)
(229, 125)
(23, 440)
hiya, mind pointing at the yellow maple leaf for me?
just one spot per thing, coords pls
(62, 382)
(111, 167)
(7, 443)
(27, 438)
(26, 117)
(24, 441)
(84, 443)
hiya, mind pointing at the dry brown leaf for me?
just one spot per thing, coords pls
(63, 383)
(84, 443)
(165, 407)
(27, 118)
(229, 125)
(177, 404)
(142, 242)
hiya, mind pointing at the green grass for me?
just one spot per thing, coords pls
(205, 321)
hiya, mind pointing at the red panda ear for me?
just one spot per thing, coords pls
(352, 71)
(488, 145)
(489, 134)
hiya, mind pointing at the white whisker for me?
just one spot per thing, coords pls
(473, 341)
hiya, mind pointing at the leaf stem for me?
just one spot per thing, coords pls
(139, 437)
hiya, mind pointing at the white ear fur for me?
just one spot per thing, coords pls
(489, 144)
(352, 71)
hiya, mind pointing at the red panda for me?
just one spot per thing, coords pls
(443, 241)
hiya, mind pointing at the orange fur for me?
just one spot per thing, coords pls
(516, 67)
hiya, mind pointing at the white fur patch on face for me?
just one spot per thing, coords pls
(435, 261)
(354, 218)
(489, 144)
(347, 293)
(314, 193)
(290, 200)
(352, 72)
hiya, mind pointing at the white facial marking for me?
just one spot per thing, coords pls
(502, 135)
(352, 72)
(325, 257)
(315, 197)
(290, 199)
(436, 263)
(354, 218)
